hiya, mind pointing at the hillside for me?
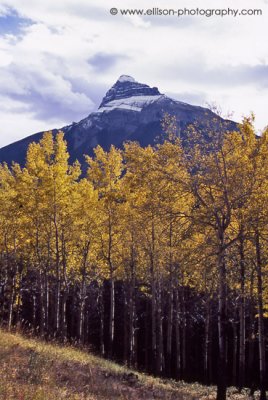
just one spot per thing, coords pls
(34, 370)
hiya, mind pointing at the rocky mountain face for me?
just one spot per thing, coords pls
(130, 111)
(127, 87)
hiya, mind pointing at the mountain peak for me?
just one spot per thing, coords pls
(126, 78)
(127, 87)
(130, 111)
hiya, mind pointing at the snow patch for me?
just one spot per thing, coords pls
(134, 103)
(126, 78)
(87, 123)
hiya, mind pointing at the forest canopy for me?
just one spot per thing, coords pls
(157, 257)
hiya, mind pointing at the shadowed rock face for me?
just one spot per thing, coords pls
(127, 87)
(130, 111)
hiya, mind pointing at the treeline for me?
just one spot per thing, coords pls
(158, 257)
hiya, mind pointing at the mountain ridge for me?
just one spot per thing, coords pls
(130, 111)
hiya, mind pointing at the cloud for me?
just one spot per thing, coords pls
(58, 59)
(102, 62)
(195, 98)
(225, 75)
(46, 94)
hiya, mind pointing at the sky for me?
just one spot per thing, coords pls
(59, 57)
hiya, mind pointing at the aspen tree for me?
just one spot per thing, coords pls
(105, 171)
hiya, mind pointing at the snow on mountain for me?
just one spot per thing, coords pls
(133, 103)
(125, 88)
(130, 111)
(126, 78)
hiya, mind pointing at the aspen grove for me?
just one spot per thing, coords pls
(156, 257)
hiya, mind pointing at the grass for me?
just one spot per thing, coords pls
(31, 369)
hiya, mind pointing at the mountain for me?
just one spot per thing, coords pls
(129, 111)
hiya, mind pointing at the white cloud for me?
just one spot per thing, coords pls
(54, 71)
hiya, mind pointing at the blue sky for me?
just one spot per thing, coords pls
(58, 58)
(12, 23)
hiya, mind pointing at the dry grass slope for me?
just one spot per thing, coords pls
(34, 370)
